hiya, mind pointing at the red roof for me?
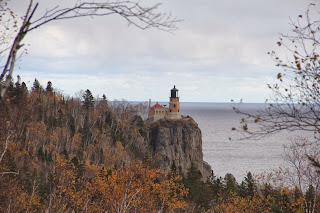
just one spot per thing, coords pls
(156, 106)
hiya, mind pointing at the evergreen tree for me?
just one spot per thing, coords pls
(49, 87)
(40, 154)
(86, 134)
(36, 85)
(88, 101)
(24, 87)
(309, 196)
(199, 192)
(72, 124)
(250, 184)
(21, 91)
(217, 188)
(18, 82)
(104, 102)
(17, 92)
(230, 183)
(247, 187)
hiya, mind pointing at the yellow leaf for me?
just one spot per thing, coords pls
(245, 127)
(279, 75)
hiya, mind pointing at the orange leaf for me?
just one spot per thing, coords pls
(279, 75)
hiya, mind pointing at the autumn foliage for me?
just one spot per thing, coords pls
(80, 154)
(61, 154)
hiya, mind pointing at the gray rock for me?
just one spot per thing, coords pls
(177, 142)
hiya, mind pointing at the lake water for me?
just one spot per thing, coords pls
(222, 148)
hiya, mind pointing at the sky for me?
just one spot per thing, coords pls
(218, 54)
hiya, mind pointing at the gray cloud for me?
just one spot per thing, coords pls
(220, 47)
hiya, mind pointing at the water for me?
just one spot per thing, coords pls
(222, 147)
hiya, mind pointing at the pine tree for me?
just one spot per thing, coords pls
(199, 192)
(40, 154)
(247, 187)
(88, 101)
(37, 86)
(250, 184)
(21, 91)
(230, 183)
(49, 87)
(24, 88)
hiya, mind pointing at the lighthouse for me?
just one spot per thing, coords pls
(174, 105)
(157, 111)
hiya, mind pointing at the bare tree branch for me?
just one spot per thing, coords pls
(143, 17)
(134, 13)
(295, 104)
(6, 173)
(5, 148)
(9, 65)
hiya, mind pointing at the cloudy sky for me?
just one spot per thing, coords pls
(218, 53)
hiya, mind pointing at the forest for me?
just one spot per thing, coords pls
(61, 153)
(86, 154)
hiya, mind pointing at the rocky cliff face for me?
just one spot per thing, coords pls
(177, 142)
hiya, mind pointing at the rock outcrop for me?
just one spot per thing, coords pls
(178, 142)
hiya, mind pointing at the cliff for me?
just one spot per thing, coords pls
(178, 142)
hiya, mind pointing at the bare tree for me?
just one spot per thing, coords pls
(295, 104)
(143, 17)
(8, 23)
(298, 173)
(3, 152)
